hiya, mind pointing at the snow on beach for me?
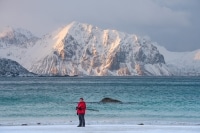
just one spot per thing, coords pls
(100, 128)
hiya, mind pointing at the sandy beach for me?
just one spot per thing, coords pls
(100, 128)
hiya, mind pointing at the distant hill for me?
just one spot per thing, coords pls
(12, 68)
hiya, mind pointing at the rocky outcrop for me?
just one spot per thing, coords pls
(12, 68)
(109, 100)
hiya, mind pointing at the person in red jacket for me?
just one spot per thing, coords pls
(81, 112)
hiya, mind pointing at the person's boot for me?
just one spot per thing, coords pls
(79, 125)
(83, 124)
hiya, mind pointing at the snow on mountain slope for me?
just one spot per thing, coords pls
(19, 37)
(182, 63)
(82, 49)
(14, 44)
(87, 50)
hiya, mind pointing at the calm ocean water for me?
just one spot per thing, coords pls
(147, 100)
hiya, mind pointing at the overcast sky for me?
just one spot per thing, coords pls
(174, 24)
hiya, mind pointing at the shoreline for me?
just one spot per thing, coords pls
(100, 128)
(93, 122)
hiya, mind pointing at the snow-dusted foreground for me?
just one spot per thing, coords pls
(100, 129)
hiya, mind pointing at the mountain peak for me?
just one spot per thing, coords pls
(74, 30)
(12, 32)
(16, 36)
(8, 31)
(75, 23)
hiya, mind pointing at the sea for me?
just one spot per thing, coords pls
(144, 100)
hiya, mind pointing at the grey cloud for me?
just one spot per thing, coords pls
(169, 22)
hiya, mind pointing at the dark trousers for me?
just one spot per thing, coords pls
(81, 120)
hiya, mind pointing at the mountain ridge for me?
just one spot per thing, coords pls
(21, 37)
(83, 49)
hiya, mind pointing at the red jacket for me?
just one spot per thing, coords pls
(81, 108)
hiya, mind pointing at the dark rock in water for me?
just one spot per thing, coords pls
(141, 124)
(24, 124)
(110, 100)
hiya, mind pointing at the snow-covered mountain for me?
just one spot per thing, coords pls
(87, 50)
(82, 49)
(18, 37)
(182, 63)
(12, 68)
